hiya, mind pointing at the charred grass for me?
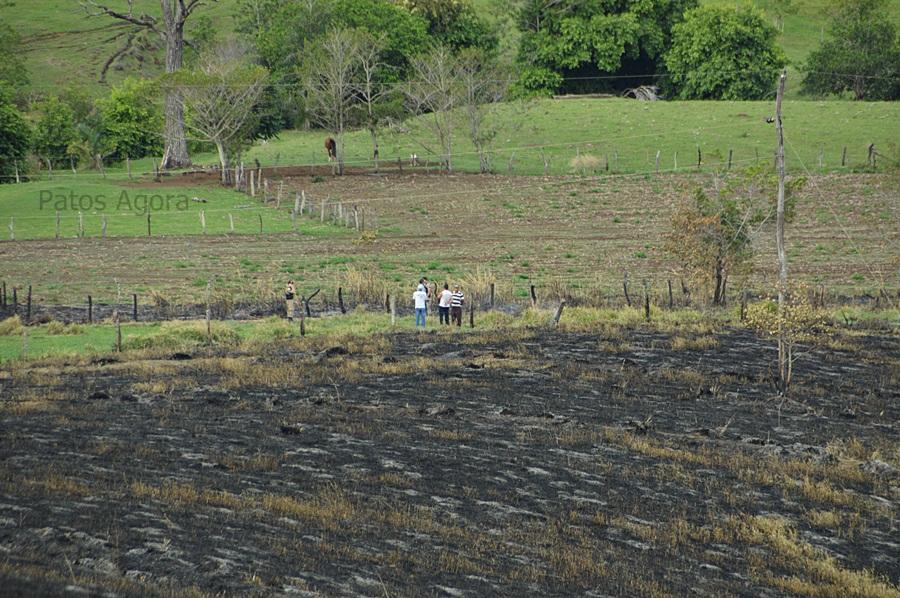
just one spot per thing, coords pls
(642, 460)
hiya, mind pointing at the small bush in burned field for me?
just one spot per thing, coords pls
(11, 326)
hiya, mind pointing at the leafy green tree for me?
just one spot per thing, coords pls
(55, 130)
(861, 54)
(14, 137)
(131, 120)
(724, 54)
(455, 24)
(13, 73)
(581, 41)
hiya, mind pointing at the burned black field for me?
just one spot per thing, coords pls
(619, 462)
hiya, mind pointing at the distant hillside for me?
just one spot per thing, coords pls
(63, 46)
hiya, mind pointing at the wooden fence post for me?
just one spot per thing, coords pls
(393, 304)
(90, 310)
(252, 184)
(699, 157)
(472, 313)
(730, 154)
(3, 296)
(303, 309)
(103, 224)
(341, 300)
(259, 215)
(230, 222)
(625, 288)
(118, 322)
(744, 305)
(28, 307)
(203, 221)
(80, 225)
(671, 299)
(657, 161)
(128, 165)
(844, 156)
(559, 311)
(134, 316)
(57, 224)
(12, 228)
(15, 298)
(533, 297)
(322, 215)
(302, 201)
(822, 156)
(492, 295)
(149, 234)
(646, 302)
(675, 169)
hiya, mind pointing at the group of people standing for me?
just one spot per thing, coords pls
(450, 304)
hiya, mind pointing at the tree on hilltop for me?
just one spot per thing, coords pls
(861, 54)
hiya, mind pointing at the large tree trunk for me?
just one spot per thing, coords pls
(176, 152)
(223, 163)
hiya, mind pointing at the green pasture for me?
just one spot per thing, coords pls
(627, 135)
(31, 208)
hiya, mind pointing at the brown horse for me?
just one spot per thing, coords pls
(331, 148)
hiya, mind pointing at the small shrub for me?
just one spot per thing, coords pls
(11, 326)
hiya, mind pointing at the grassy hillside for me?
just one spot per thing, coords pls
(628, 134)
(65, 47)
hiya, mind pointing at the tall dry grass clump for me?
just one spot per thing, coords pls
(585, 163)
(477, 285)
(364, 286)
(11, 326)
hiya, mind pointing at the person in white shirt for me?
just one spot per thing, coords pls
(444, 304)
(420, 298)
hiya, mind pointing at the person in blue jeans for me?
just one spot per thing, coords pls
(420, 297)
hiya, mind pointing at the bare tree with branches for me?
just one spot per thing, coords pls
(370, 89)
(175, 14)
(330, 72)
(434, 92)
(220, 96)
(483, 86)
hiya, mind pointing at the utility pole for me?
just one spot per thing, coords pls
(784, 357)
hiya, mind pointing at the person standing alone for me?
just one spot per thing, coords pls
(289, 291)
(456, 305)
(420, 297)
(444, 299)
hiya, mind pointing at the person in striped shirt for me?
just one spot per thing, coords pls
(456, 305)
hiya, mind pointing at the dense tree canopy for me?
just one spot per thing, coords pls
(455, 24)
(132, 122)
(724, 54)
(14, 137)
(565, 44)
(861, 54)
(55, 130)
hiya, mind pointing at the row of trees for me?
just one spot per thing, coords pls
(345, 82)
(703, 52)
